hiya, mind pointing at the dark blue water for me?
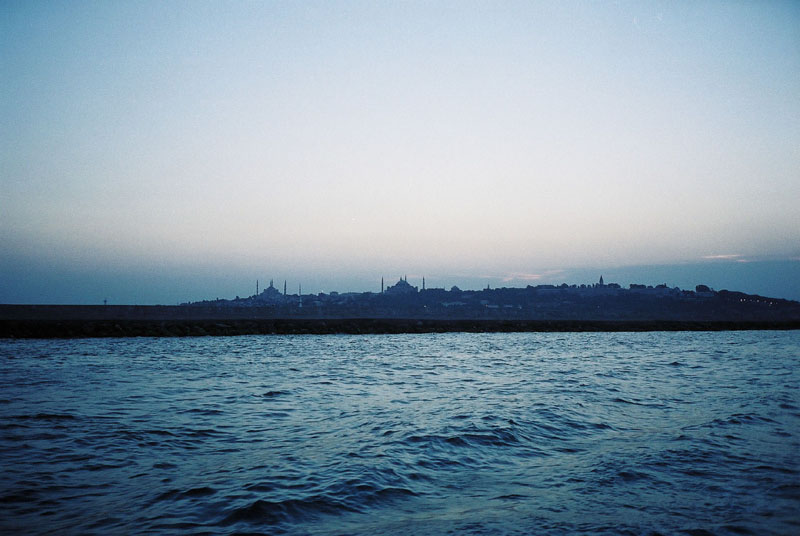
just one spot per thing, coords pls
(669, 433)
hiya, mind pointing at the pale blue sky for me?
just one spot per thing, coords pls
(159, 143)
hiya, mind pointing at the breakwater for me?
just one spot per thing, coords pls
(166, 321)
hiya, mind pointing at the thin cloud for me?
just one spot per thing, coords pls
(725, 256)
(523, 276)
(516, 276)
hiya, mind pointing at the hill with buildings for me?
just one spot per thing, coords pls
(598, 301)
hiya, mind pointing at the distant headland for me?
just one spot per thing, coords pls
(403, 308)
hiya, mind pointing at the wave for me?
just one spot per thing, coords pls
(358, 499)
(174, 494)
(274, 394)
(469, 438)
(620, 400)
(45, 417)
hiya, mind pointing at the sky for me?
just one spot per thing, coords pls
(163, 152)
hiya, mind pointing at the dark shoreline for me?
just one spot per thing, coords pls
(75, 328)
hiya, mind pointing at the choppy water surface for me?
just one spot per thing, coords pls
(695, 433)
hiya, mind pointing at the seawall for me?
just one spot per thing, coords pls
(169, 321)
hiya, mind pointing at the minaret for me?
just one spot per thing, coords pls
(601, 281)
(284, 288)
(381, 285)
(423, 283)
(256, 287)
(270, 284)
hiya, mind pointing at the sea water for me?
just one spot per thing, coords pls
(534, 433)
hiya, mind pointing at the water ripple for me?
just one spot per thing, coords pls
(593, 433)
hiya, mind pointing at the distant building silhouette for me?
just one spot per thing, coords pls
(401, 287)
(270, 294)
